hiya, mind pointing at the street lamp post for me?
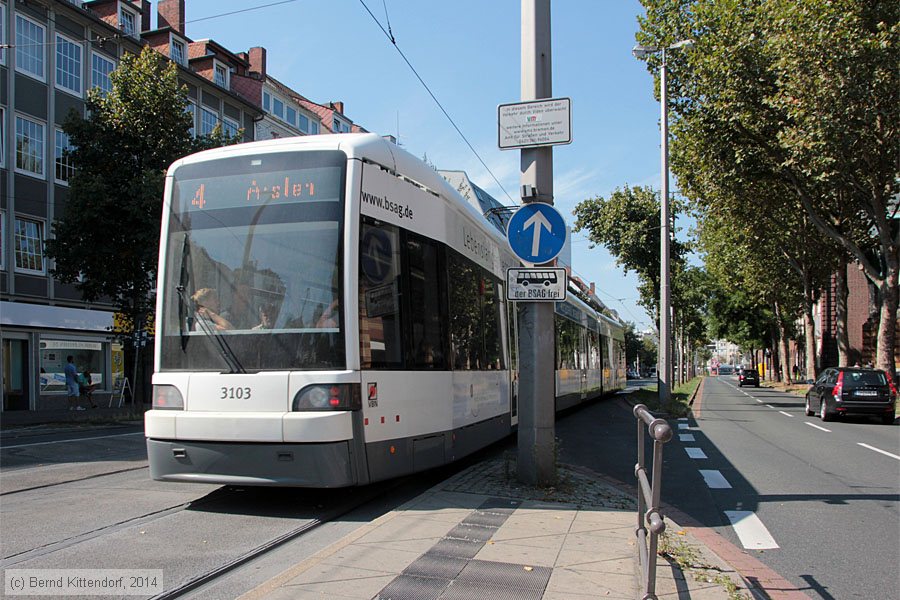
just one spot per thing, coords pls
(664, 373)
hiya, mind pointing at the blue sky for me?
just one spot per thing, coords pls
(468, 52)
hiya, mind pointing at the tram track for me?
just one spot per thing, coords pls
(210, 577)
(76, 480)
(56, 546)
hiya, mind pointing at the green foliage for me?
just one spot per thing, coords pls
(627, 224)
(786, 137)
(639, 350)
(107, 240)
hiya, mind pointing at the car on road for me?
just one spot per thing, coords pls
(748, 376)
(852, 390)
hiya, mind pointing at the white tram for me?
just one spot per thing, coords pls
(331, 313)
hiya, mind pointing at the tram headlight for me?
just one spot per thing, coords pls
(167, 397)
(334, 396)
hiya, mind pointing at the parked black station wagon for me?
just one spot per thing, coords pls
(852, 390)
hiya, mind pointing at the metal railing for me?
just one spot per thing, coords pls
(649, 514)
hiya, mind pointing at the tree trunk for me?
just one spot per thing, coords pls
(781, 345)
(888, 321)
(809, 333)
(840, 315)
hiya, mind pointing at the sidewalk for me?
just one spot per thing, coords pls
(483, 535)
(13, 419)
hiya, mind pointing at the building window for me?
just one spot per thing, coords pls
(29, 146)
(314, 128)
(68, 65)
(2, 137)
(191, 109)
(2, 241)
(229, 127)
(278, 108)
(29, 246)
(29, 47)
(127, 20)
(221, 75)
(340, 127)
(87, 356)
(304, 124)
(291, 116)
(2, 33)
(100, 69)
(266, 101)
(64, 167)
(177, 52)
(208, 121)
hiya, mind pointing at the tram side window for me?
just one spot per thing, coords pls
(424, 303)
(606, 350)
(491, 308)
(593, 350)
(475, 313)
(465, 313)
(568, 343)
(380, 326)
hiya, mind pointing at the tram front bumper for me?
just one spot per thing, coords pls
(325, 465)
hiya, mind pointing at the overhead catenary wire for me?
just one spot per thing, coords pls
(393, 41)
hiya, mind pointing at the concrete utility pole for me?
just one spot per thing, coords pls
(665, 301)
(537, 426)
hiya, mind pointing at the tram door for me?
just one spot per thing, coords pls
(583, 363)
(512, 340)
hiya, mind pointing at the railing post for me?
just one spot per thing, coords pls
(650, 515)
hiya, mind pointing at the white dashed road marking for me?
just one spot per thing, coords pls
(685, 437)
(683, 426)
(817, 427)
(715, 480)
(695, 452)
(750, 530)
(786, 414)
(878, 450)
(99, 437)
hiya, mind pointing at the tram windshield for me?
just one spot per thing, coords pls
(253, 269)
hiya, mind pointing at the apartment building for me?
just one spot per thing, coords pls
(57, 51)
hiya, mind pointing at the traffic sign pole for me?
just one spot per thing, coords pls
(537, 427)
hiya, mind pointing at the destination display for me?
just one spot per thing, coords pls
(536, 285)
(321, 184)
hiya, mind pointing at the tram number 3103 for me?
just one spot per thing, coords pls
(235, 393)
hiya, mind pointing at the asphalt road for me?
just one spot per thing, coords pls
(76, 498)
(822, 508)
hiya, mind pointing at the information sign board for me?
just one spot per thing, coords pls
(536, 123)
(536, 284)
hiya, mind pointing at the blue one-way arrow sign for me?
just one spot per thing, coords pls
(536, 233)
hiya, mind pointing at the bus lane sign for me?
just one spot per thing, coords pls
(538, 284)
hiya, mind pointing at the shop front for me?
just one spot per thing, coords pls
(35, 341)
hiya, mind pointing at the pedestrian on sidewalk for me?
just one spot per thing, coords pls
(72, 390)
(86, 387)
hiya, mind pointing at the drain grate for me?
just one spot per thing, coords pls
(485, 519)
(468, 590)
(409, 587)
(436, 566)
(456, 548)
(505, 575)
(447, 570)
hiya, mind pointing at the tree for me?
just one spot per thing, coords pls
(107, 240)
(802, 94)
(627, 224)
